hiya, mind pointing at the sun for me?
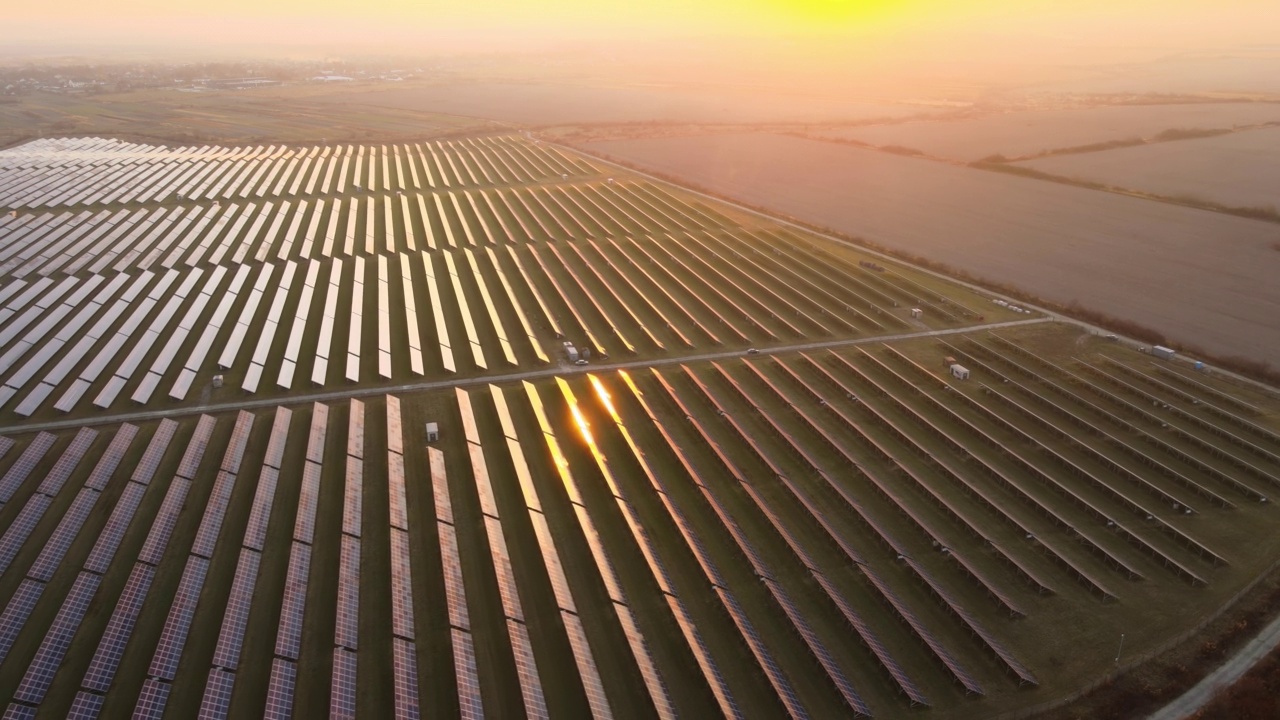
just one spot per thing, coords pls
(833, 12)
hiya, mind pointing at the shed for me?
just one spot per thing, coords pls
(433, 432)
(949, 361)
(1162, 352)
(959, 372)
(217, 381)
(573, 353)
(916, 312)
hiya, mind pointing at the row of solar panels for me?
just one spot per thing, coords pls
(147, 309)
(488, 160)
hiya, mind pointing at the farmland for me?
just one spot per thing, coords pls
(1236, 170)
(1034, 132)
(552, 103)
(761, 489)
(1144, 261)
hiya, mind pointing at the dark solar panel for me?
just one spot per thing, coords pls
(347, 623)
(455, 591)
(535, 704)
(284, 675)
(772, 671)
(404, 667)
(309, 496)
(648, 669)
(164, 522)
(355, 431)
(401, 586)
(192, 456)
(214, 512)
(217, 695)
(56, 546)
(115, 638)
(702, 654)
(587, 670)
(316, 435)
(289, 634)
(26, 462)
(173, 638)
(342, 694)
(353, 497)
(470, 703)
(236, 617)
(551, 559)
(440, 486)
(49, 657)
(234, 454)
(279, 435)
(396, 491)
(395, 431)
(152, 700)
(86, 706)
(67, 463)
(255, 533)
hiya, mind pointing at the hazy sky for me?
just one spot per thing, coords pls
(488, 25)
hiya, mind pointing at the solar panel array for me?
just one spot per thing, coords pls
(404, 649)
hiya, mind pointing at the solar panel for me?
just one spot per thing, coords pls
(55, 547)
(217, 695)
(152, 700)
(395, 431)
(404, 667)
(603, 564)
(284, 676)
(470, 703)
(401, 586)
(289, 635)
(440, 486)
(195, 447)
(19, 712)
(342, 695)
(455, 589)
(111, 457)
(535, 704)
(255, 533)
(279, 434)
(488, 505)
(347, 623)
(20, 529)
(164, 522)
(523, 476)
(214, 512)
(26, 462)
(236, 617)
(146, 468)
(319, 427)
(48, 659)
(86, 706)
(551, 560)
(16, 613)
(308, 498)
(648, 670)
(174, 636)
(240, 440)
(587, 670)
(115, 638)
(355, 432)
(396, 491)
(353, 497)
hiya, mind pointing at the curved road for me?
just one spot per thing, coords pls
(1198, 696)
